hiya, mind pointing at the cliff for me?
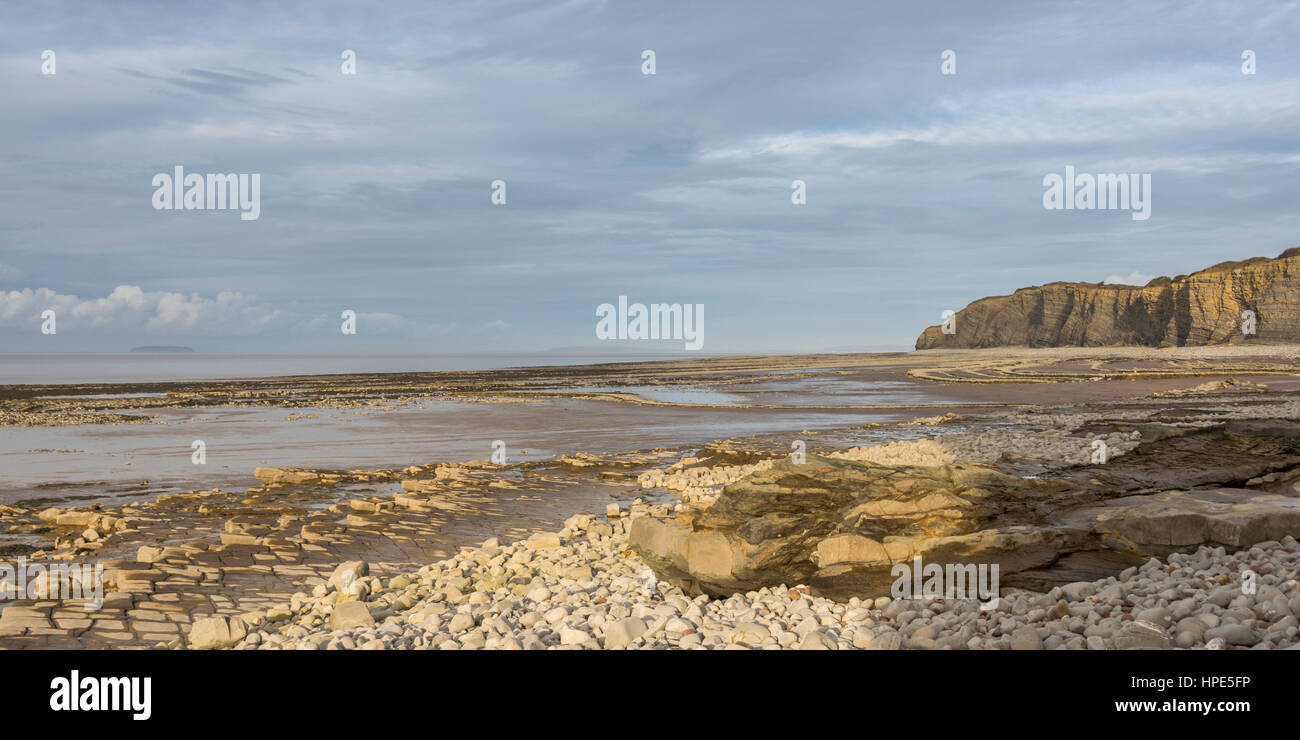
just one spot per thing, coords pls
(1202, 308)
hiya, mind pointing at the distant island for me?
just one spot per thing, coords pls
(162, 348)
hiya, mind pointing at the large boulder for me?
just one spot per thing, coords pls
(841, 526)
(215, 633)
(351, 614)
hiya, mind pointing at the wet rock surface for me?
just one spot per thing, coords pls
(1120, 555)
(172, 563)
(841, 525)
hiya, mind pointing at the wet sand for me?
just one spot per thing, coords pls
(576, 437)
(111, 443)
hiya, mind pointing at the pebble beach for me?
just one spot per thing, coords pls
(448, 555)
(578, 589)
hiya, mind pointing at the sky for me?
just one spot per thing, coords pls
(924, 190)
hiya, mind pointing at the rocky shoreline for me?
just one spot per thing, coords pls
(1147, 549)
(585, 587)
(588, 586)
(961, 374)
(581, 588)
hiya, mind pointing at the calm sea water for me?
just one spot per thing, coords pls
(105, 462)
(16, 368)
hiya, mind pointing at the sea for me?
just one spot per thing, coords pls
(102, 463)
(142, 367)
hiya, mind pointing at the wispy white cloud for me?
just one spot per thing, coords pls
(1133, 278)
(924, 191)
(1056, 115)
(130, 307)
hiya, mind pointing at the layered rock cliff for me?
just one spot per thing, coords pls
(1205, 307)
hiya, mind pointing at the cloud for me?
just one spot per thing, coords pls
(128, 307)
(673, 187)
(1133, 278)
(234, 82)
(1035, 117)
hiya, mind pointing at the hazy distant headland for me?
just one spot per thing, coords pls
(161, 348)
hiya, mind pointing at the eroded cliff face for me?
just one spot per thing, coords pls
(1202, 308)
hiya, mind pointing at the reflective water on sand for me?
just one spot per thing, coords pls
(240, 439)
